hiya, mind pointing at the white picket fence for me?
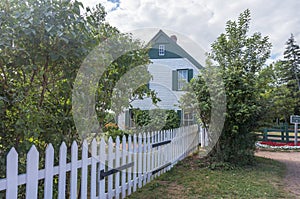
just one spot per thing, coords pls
(110, 170)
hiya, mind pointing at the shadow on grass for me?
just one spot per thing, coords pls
(191, 179)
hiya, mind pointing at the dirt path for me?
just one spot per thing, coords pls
(292, 162)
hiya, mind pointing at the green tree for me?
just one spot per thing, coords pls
(42, 46)
(288, 83)
(238, 59)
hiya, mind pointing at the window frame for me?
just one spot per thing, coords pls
(181, 82)
(161, 50)
(188, 118)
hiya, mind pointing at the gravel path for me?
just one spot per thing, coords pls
(292, 162)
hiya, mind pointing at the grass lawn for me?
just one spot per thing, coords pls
(189, 179)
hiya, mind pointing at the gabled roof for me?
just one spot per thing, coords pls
(173, 49)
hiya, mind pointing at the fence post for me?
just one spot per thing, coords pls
(282, 136)
(286, 128)
(265, 134)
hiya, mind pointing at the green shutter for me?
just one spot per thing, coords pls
(179, 112)
(190, 74)
(174, 80)
(127, 119)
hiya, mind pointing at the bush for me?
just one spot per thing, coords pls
(155, 119)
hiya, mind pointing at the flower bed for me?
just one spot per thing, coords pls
(277, 145)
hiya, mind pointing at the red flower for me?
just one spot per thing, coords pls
(279, 143)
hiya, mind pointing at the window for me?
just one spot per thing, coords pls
(129, 121)
(180, 78)
(161, 50)
(188, 118)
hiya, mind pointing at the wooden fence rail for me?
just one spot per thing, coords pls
(277, 134)
(110, 170)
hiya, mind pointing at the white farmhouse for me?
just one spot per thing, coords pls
(171, 68)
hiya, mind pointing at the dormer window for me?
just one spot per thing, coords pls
(161, 50)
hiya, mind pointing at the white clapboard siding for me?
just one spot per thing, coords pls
(122, 166)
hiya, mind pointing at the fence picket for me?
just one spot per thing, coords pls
(152, 154)
(140, 160)
(134, 172)
(84, 169)
(168, 149)
(110, 166)
(62, 171)
(165, 152)
(102, 163)
(117, 164)
(144, 159)
(12, 174)
(124, 155)
(49, 161)
(129, 170)
(93, 168)
(74, 159)
(148, 157)
(32, 167)
(159, 152)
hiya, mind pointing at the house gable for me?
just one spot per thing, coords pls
(172, 49)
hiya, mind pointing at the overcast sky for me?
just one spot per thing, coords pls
(203, 20)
